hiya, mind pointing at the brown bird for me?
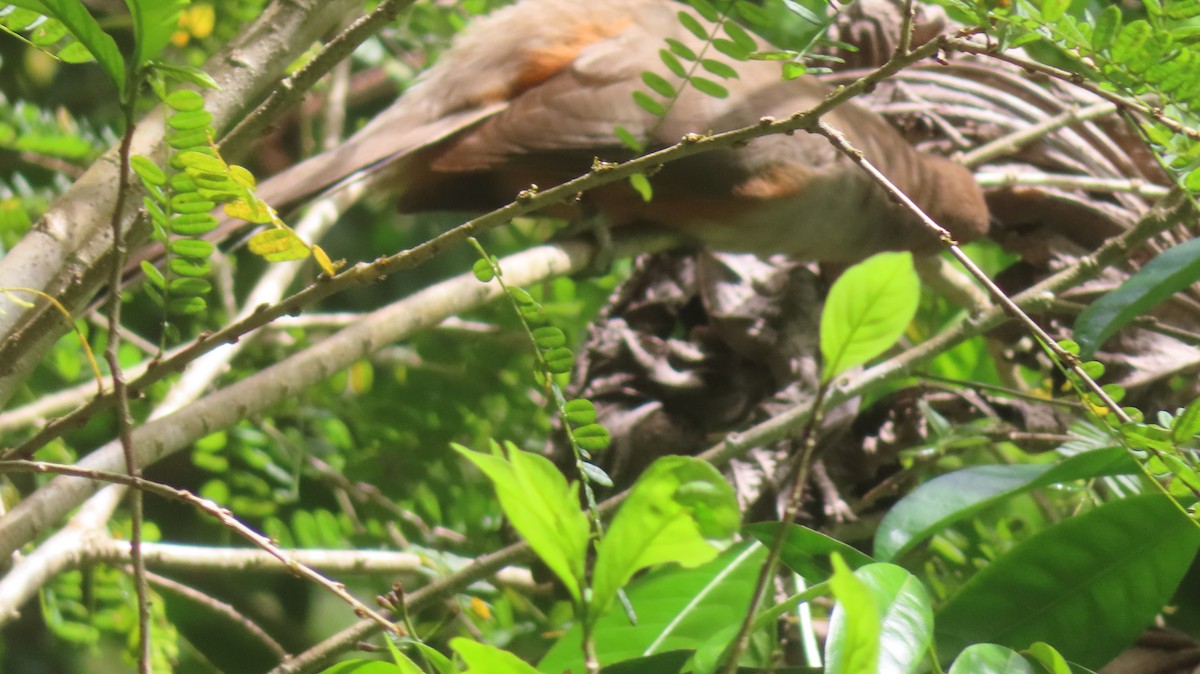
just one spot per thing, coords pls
(532, 94)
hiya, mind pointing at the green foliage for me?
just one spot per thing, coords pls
(359, 462)
(1168, 273)
(1133, 552)
(883, 621)
(485, 659)
(868, 308)
(958, 495)
(542, 507)
(676, 512)
(179, 205)
(69, 16)
(82, 607)
(807, 552)
(678, 609)
(990, 659)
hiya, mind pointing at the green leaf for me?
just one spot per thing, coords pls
(153, 23)
(906, 616)
(486, 659)
(955, 496)
(672, 63)
(868, 308)
(542, 507)
(794, 69)
(674, 512)
(593, 437)
(658, 84)
(1187, 425)
(677, 609)
(752, 13)
(731, 49)
(186, 306)
(185, 100)
(641, 184)
(1106, 28)
(628, 139)
(990, 659)
(645, 102)
(681, 50)
(855, 627)
(193, 224)
(740, 37)
(581, 411)
(83, 27)
(719, 68)
(1122, 561)
(403, 662)
(693, 25)
(1173, 270)
(187, 121)
(1045, 655)
(364, 667)
(560, 360)
(441, 664)
(709, 87)
(1129, 42)
(189, 286)
(483, 271)
(807, 552)
(153, 275)
(1053, 10)
(147, 170)
(192, 268)
(198, 248)
(705, 8)
(200, 162)
(595, 474)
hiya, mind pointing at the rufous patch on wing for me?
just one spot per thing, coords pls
(775, 181)
(543, 63)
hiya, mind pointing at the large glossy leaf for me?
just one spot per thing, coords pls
(806, 551)
(675, 512)
(905, 623)
(678, 610)
(1173, 270)
(955, 496)
(990, 659)
(542, 507)
(486, 659)
(1088, 585)
(852, 646)
(867, 310)
(84, 27)
(153, 23)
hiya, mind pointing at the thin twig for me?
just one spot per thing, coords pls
(222, 515)
(291, 89)
(223, 609)
(1067, 359)
(120, 392)
(1009, 143)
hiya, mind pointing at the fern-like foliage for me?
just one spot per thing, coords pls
(181, 204)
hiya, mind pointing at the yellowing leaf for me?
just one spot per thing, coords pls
(329, 267)
(257, 212)
(278, 245)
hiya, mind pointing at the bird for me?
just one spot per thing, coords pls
(533, 95)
